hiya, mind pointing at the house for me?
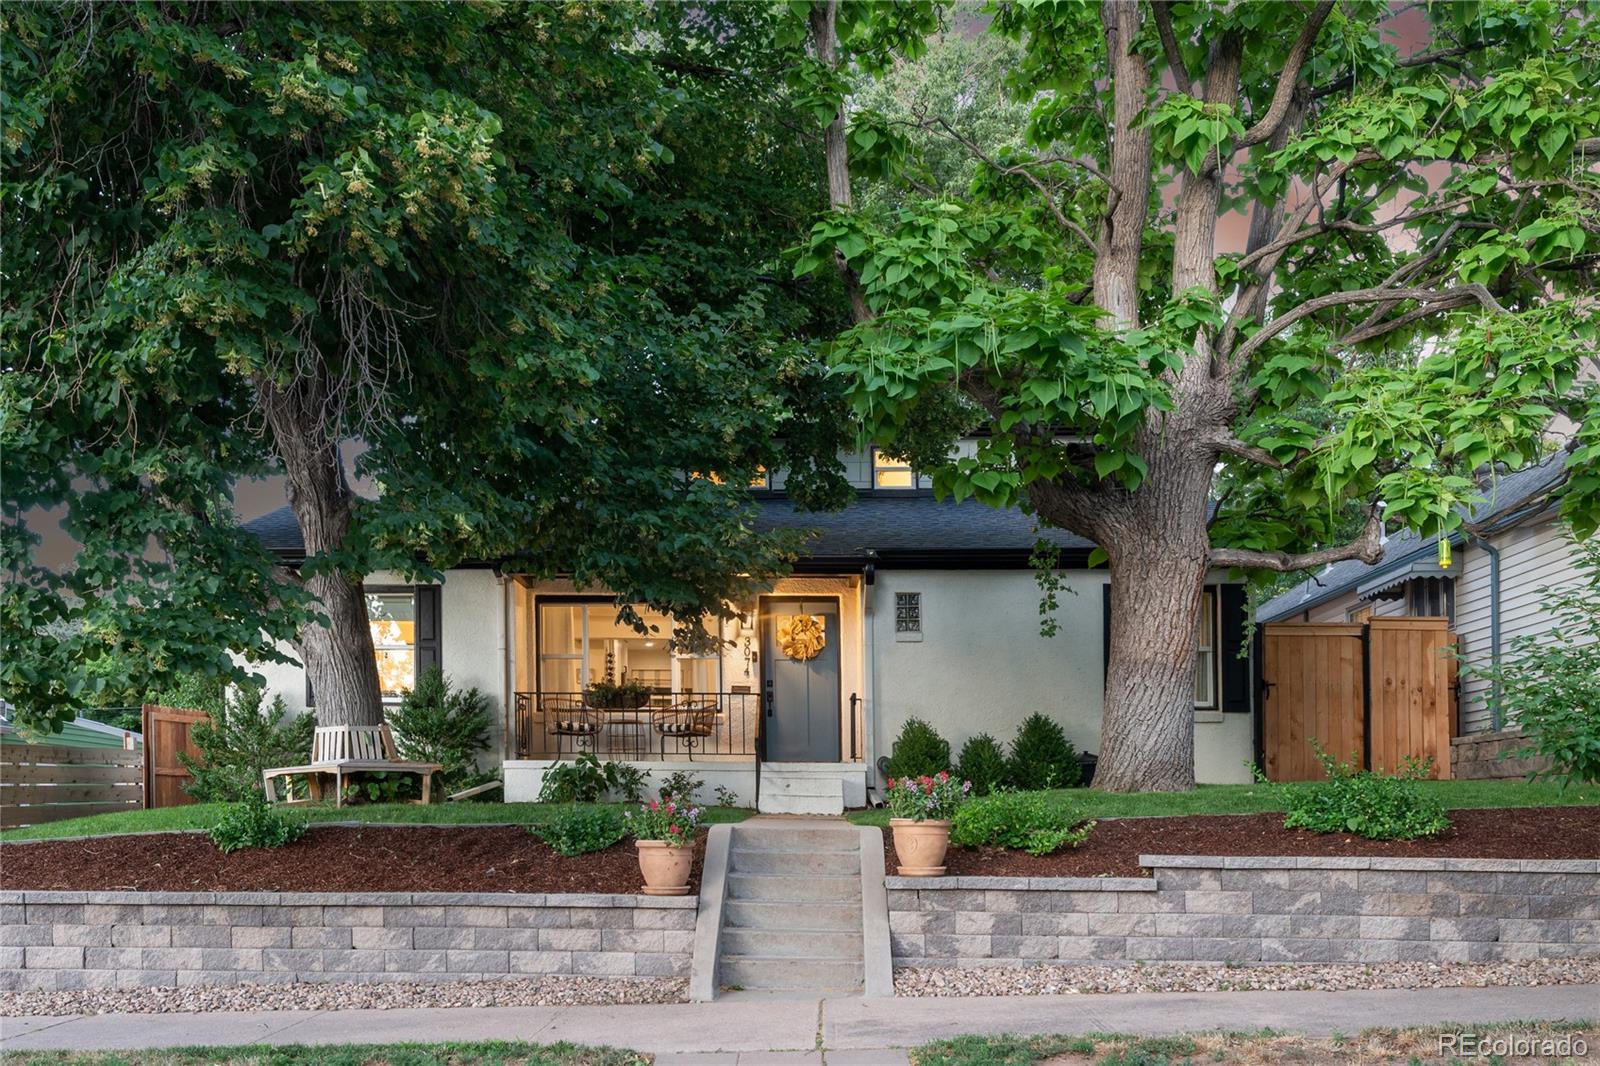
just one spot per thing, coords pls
(1489, 592)
(902, 605)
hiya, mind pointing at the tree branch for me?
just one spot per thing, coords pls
(1368, 548)
(1039, 186)
(1230, 445)
(825, 39)
(1433, 301)
(1169, 42)
(1263, 130)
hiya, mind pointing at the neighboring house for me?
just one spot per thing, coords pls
(79, 733)
(1489, 593)
(923, 608)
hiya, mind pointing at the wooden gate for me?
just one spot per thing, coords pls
(1373, 693)
(47, 783)
(166, 733)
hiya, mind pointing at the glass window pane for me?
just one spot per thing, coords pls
(560, 675)
(890, 472)
(391, 619)
(560, 629)
(397, 672)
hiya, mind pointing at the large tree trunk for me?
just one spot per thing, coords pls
(1159, 557)
(338, 656)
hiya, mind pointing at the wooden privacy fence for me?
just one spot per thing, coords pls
(45, 783)
(167, 733)
(1380, 691)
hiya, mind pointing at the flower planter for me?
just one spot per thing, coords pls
(665, 868)
(920, 846)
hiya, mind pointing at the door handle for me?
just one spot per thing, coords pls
(769, 699)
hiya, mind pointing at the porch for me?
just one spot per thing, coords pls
(741, 709)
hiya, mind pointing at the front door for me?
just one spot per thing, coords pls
(800, 646)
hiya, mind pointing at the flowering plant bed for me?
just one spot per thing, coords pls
(1113, 849)
(925, 798)
(327, 859)
(672, 820)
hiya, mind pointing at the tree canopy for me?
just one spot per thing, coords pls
(1410, 310)
(526, 254)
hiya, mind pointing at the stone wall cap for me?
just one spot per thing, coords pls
(1022, 884)
(353, 899)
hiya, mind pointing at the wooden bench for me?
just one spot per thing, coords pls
(350, 749)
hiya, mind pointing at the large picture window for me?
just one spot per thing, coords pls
(583, 643)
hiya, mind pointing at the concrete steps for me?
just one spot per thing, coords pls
(799, 792)
(792, 917)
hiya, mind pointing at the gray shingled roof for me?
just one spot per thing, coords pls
(1505, 496)
(910, 525)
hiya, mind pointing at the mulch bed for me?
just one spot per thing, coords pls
(1114, 847)
(328, 859)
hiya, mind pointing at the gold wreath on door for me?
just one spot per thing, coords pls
(802, 637)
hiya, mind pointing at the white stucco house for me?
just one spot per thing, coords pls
(902, 605)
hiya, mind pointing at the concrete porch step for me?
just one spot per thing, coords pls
(762, 972)
(816, 887)
(793, 942)
(800, 794)
(796, 863)
(802, 834)
(785, 914)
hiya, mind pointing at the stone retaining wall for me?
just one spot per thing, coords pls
(1213, 909)
(1485, 756)
(51, 940)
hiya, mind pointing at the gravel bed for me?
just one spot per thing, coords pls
(553, 991)
(1051, 979)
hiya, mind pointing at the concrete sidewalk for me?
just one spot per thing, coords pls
(749, 1031)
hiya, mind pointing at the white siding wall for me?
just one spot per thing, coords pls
(472, 649)
(983, 667)
(1531, 556)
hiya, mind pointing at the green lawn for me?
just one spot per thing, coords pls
(205, 815)
(1252, 799)
(1412, 1046)
(484, 1054)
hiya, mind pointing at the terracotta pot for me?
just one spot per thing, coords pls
(920, 846)
(665, 868)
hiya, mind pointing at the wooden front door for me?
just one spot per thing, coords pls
(166, 733)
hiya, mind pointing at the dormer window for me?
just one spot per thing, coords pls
(891, 472)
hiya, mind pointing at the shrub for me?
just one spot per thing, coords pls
(381, 786)
(255, 823)
(579, 830)
(625, 781)
(983, 763)
(240, 741)
(919, 751)
(935, 798)
(1042, 756)
(671, 818)
(1549, 683)
(682, 784)
(1027, 820)
(1371, 805)
(582, 780)
(726, 797)
(435, 723)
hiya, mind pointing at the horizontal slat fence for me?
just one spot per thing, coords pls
(45, 783)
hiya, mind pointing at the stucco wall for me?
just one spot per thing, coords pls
(983, 667)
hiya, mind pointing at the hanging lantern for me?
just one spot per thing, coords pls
(1444, 553)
